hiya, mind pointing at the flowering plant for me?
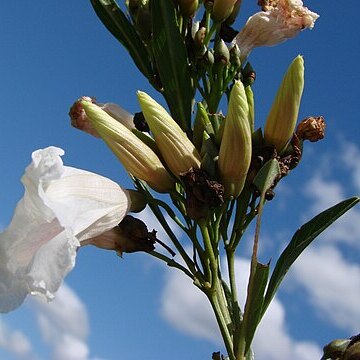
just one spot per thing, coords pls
(218, 171)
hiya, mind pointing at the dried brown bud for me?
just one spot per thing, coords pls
(312, 128)
(131, 235)
(202, 194)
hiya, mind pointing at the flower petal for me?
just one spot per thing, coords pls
(61, 206)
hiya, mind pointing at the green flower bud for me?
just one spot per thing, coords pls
(202, 123)
(221, 52)
(137, 158)
(281, 121)
(178, 151)
(188, 7)
(222, 9)
(250, 100)
(231, 19)
(352, 352)
(335, 349)
(235, 148)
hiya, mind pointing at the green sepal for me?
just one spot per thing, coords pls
(266, 176)
(202, 123)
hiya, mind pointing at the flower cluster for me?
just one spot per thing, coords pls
(218, 169)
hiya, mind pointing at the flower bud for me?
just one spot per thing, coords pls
(352, 352)
(250, 100)
(232, 17)
(222, 9)
(188, 7)
(78, 117)
(137, 158)
(281, 121)
(178, 151)
(137, 199)
(221, 52)
(235, 148)
(131, 235)
(335, 349)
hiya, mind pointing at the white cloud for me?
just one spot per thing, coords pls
(351, 159)
(187, 309)
(63, 324)
(16, 343)
(332, 285)
(325, 194)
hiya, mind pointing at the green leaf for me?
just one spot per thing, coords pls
(117, 23)
(301, 240)
(172, 63)
(254, 303)
(267, 175)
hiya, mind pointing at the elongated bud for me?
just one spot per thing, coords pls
(137, 158)
(222, 9)
(138, 202)
(250, 100)
(281, 121)
(188, 7)
(235, 148)
(177, 150)
(232, 17)
(202, 123)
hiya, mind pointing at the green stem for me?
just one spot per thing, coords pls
(240, 354)
(160, 217)
(238, 229)
(172, 263)
(210, 254)
(223, 325)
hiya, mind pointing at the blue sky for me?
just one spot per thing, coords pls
(135, 308)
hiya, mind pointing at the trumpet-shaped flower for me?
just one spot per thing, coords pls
(62, 206)
(177, 150)
(268, 28)
(137, 158)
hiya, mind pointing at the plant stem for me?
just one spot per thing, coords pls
(210, 254)
(223, 325)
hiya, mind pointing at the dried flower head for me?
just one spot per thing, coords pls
(312, 128)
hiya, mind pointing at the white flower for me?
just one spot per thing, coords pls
(61, 207)
(267, 28)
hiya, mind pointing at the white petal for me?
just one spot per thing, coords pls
(60, 207)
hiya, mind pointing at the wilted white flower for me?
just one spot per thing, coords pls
(267, 28)
(61, 207)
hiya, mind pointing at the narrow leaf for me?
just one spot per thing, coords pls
(301, 240)
(120, 27)
(254, 303)
(172, 62)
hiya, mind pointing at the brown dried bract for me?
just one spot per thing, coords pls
(202, 193)
(311, 128)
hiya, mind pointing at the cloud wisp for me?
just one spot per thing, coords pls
(63, 324)
(188, 311)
